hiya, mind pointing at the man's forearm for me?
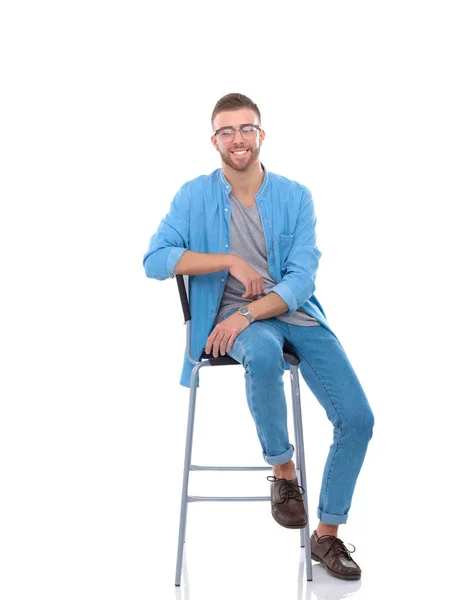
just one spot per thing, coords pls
(200, 263)
(269, 306)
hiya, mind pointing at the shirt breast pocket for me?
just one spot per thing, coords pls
(285, 245)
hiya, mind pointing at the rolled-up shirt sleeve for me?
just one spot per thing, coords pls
(300, 267)
(171, 239)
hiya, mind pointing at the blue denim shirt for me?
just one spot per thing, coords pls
(199, 220)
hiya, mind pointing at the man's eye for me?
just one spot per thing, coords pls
(248, 129)
(226, 132)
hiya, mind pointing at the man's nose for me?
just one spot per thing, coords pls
(236, 133)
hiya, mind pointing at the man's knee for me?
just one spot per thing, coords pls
(361, 422)
(266, 355)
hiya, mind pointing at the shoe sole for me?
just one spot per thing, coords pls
(289, 526)
(334, 573)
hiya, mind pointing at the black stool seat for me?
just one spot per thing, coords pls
(289, 356)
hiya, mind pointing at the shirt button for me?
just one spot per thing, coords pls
(227, 187)
(226, 210)
(226, 246)
(222, 280)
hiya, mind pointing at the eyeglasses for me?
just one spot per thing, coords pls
(247, 131)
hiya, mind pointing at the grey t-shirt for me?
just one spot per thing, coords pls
(248, 241)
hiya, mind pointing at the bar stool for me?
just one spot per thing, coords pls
(206, 361)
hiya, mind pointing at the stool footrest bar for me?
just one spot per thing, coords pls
(201, 468)
(228, 498)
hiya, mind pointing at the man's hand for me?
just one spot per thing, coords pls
(250, 279)
(222, 337)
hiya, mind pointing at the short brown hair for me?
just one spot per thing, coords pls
(234, 102)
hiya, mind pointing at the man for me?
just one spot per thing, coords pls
(247, 239)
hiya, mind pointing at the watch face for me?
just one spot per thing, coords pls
(245, 311)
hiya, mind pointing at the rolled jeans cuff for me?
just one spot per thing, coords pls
(281, 458)
(330, 519)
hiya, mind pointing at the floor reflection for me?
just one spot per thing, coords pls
(323, 586)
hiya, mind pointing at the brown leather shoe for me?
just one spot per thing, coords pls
(335, 557)
(287, 507)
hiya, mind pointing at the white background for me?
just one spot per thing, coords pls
(105, 113)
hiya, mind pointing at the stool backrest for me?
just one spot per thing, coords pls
(183, 288)
(183, 291)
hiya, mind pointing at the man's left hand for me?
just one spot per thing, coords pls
(222, 337)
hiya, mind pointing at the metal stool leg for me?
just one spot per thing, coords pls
(186, 473)
(301, 464)
(297, 419)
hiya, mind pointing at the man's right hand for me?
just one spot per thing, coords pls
(250, 279)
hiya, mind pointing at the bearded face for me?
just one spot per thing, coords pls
(239, 153)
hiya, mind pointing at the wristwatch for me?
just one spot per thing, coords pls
(245, 310)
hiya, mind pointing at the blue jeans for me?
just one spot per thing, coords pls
(331, 378)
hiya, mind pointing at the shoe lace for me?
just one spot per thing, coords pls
(338, 545)
(287, 489)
